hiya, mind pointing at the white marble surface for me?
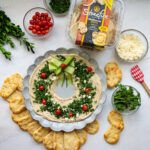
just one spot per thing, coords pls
(136, 135)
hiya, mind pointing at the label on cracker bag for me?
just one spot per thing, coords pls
(94, 22)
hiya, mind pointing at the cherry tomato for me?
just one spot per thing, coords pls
(87, 90)
(71, 114)
(48, 19)
(34, 17)
(31, 28)
(42, 14)
(44, 22)
(63, 66)
(41, 88)
(43, 75)
(89, 69)
(43, 32)
(39, 23)
(84, 107)
(39, 32)
(46, 31)
(50, 24)
(32, 22)
(46, 27)
(37, 27)
(44, 101)
(34, 31)
(58, 112)
(46, 15)
(37, 14)
(42, 18)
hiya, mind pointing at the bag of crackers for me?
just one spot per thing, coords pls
(96, 24)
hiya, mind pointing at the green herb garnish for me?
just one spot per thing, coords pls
(125, 98)
(60, 6)
(8, 30)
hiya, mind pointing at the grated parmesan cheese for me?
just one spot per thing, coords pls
(130, 47)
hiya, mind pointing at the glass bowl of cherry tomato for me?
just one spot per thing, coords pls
(38, 22)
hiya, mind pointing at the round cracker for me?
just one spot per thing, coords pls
(71, 141)
(93, 127)
(16, 102)
(31, 127)
(112, 135)
(59, 140)
(21, 116)
(82, 135)
(49, 141)
(116, 119)
(40, 133)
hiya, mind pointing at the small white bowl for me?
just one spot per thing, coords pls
(142, 37)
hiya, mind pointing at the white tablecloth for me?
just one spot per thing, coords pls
(136, 135)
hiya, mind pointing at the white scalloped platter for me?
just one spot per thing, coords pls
(58, 126)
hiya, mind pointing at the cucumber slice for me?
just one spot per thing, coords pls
(68, 60)
(69, 80)
(55, 62)
(69, 70)
(72, 64)
(58, 71)
(52, 67)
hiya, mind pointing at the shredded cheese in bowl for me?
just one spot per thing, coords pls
(132, 46)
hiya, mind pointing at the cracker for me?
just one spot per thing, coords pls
(59, 140)
(32, 127)
(11, 84)
(71, 141)
(49, 141)
(82, 135)
(21, 116)
(113, 74)
(93, 127)
(16, 102)
(23, 124)
(116, 119)
(112, 135)
(40, 133)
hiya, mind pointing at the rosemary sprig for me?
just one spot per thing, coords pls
(8, 30)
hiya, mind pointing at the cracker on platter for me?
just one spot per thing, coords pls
(11, 84)
(82, 135)
(112, 135)
(16, 102)
(93, 127)
(71, 141)
(116, 119)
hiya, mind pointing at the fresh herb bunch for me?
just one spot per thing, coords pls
(60, 6)
(126, 99)
(8, 30)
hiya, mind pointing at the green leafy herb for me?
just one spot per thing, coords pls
(8, 30)
(60, 6)
(126, 99)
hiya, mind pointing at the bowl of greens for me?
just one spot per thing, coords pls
(126, 99)
(58, 7)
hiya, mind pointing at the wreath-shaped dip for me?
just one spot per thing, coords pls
(60, 69)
